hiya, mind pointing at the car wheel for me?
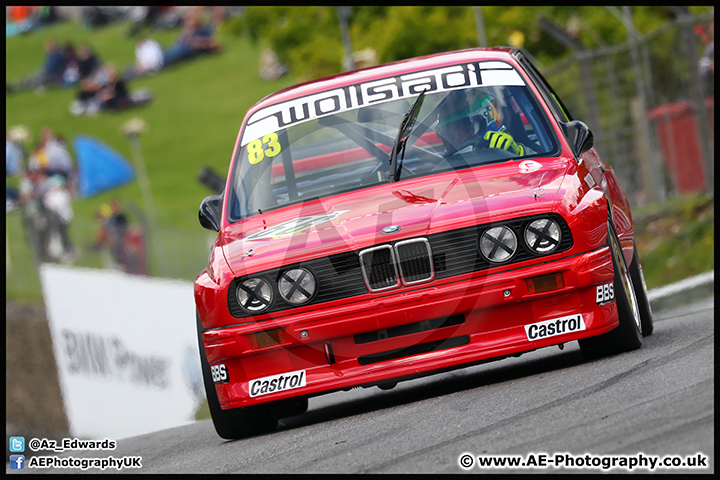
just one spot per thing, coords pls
(628, 335)
(238, 422)
(638, 280)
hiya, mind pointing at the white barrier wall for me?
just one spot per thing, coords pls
(125, 348)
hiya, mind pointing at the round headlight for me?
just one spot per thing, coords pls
(543, 235)
(254, 294)
(498, 244)
(297, 286)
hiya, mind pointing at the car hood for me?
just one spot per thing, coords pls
(412, 208)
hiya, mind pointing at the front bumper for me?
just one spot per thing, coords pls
(434, 327)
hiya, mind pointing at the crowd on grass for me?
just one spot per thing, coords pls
(42, 176)
(100, 85)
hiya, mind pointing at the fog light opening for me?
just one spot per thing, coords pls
(545, 283)
(267, 338)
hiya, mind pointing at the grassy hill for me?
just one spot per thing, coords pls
(193, 122)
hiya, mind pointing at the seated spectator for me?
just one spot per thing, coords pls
(87, 61)
(194, 40)
(106, 90)
(149, 59)
(71, 75)
(114, 95)
(51, 73)
(87, 97)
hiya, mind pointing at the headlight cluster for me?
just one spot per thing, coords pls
(498, 244)
(296, 286)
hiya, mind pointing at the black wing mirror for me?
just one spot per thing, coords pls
(210, 212)
(578, 136)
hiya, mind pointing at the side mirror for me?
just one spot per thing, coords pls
(578, 136)
(210, 212)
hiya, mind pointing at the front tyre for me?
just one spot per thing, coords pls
(638, 280)
(628, 335)
(238, 422)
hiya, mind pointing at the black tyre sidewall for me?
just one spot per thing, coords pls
(641, 293)
(627, 335)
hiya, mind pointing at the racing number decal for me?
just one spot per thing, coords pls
(255, 149)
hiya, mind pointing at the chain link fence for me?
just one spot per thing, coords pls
(650, 108)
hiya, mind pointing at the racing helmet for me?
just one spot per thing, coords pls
(468, 113)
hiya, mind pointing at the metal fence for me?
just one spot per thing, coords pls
(650, 108)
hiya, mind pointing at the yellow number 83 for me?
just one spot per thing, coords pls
(255, 148)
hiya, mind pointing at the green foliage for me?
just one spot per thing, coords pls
(406, 32)
(676, 240)
(401, 32)
(306, 39)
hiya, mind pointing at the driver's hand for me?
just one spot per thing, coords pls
(504, 141)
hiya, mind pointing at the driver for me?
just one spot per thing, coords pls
(466, 116)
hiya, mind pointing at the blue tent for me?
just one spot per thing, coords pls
(100, 167)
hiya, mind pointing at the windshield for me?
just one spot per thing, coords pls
(349, 150)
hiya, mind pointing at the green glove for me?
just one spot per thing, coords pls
(504, 141)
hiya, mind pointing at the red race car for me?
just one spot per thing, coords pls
(406, 219)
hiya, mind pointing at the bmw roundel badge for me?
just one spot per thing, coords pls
(390, 229)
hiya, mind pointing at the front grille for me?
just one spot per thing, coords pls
(414, 350)
(410, 260)
(415, 259)
(378, 268)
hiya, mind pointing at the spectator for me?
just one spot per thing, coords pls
(57, 202)
(33, 187)
(71, 75)
(51, 73)
(125, 243)
(193, 40)
(14, 156)
(51, 155)
(106, 90)
(88, 100)
(59, 159)
(87, 61)
(114, 95)
(149, 58)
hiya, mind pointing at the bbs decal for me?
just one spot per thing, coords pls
(604, 293)
(219, 373)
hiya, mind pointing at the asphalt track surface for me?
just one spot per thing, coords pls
(656, 401)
